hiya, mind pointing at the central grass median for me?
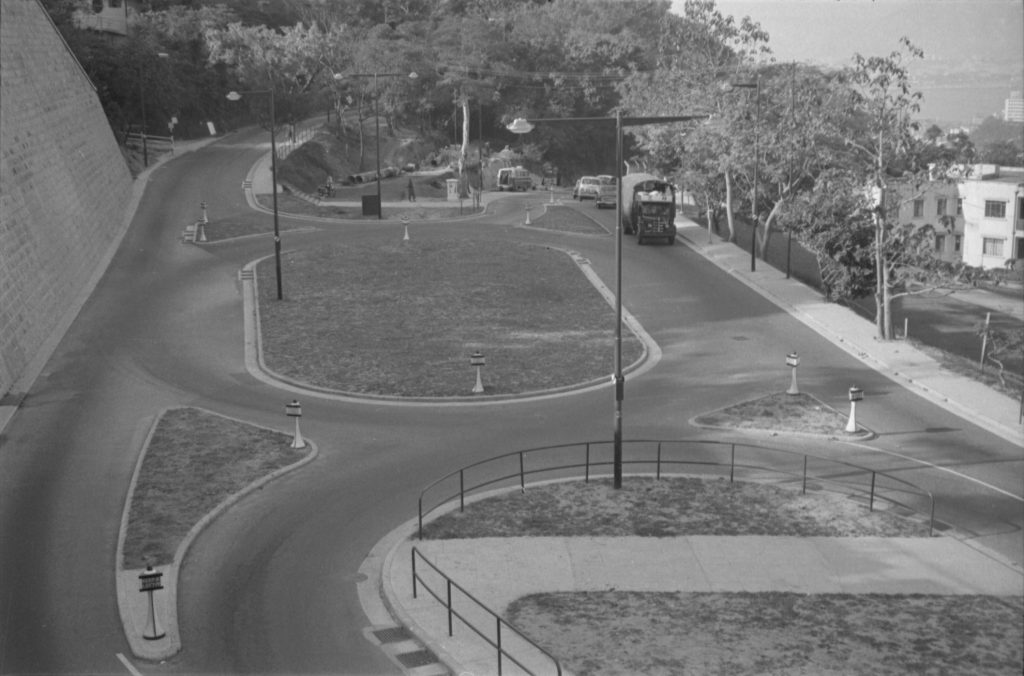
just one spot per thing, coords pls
(401, 318)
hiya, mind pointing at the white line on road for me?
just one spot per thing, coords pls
(128, 665)
(940, 468)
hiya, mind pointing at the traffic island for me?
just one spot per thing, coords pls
(193, 465)
(782, 413)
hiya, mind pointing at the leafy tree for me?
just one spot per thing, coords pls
(288, 61)
(1005, 153)
(697, 53)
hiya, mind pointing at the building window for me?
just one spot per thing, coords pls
(940, 243)
(995, 209)
(940, 206)
(958, 242)
(959, 206)
(918, 208)
(990, 246)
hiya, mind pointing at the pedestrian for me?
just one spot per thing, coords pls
(412, 191)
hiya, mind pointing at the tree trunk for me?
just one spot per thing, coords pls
(879, 276)
(728, 207)
(887, 331)
(767, 230)
(465, 136)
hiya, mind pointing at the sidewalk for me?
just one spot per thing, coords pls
(499, 570)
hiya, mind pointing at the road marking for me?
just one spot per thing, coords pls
(940, 468)
(128, 665)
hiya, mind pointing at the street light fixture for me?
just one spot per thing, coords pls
(523, 126)
(376, 118)
(235, 96)
(755, 85)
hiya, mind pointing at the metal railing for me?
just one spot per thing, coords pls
(501, 640)
(654, 457)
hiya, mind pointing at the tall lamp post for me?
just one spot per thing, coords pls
(376, 118)
(235, 96)
(755, 85)
(524, 126)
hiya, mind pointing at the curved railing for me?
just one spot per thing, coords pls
(510, 644)
(655, 457)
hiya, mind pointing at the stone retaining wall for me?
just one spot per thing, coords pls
(64, 187)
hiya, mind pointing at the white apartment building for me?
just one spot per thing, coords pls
(1013, 108)
(978, 219)
(992, 200)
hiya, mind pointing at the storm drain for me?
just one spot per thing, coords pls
(392, 634)
(418, 658)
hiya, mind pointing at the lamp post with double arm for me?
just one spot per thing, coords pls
(376, 117)
(523, 126)
(235, 96)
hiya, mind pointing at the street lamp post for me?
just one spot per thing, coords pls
(235, 96)
(376, 119)
(524, 126)
(755, 85)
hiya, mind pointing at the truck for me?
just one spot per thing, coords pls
(649, 207)
(514, 179)
(607, 191)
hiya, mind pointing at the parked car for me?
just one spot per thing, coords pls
(586, 187)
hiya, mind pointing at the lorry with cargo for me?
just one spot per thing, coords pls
(648, 208)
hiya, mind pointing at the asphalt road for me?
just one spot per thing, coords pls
(269, 587)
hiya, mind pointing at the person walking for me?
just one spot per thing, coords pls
(412, 191)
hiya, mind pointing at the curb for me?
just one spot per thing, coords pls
(132, 607)
(257, 368)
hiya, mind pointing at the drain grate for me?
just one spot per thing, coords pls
(392, 634)
(419, 658)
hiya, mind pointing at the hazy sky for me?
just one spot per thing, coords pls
(831, 31)
(974, 49)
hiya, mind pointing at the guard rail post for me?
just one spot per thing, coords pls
(657, 469)
(871, 500)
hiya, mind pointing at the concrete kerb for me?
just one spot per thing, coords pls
(256, 365)
(133, 604)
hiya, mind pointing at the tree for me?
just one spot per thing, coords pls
(696, 54)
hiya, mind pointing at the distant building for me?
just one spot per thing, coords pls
(109, 16)
(978, 219)
(1013, 108)
(992, 199)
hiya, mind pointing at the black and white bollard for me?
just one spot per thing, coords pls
(477, 360)
(856, 394)
(294, 410)
(792, 361)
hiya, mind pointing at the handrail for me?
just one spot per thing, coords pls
(502, 652)
(658, 461)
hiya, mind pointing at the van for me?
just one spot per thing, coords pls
(513, 179)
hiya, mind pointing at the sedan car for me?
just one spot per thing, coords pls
(587, 187)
